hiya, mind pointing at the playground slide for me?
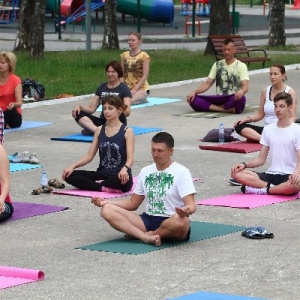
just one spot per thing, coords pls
(151, 10)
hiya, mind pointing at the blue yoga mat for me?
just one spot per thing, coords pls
(14, 167)
(29, 125)
(78, 137)
(151, 102)
(213, 296)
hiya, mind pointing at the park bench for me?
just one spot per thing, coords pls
(243, 53)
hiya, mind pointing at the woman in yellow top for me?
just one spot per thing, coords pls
(135, 64)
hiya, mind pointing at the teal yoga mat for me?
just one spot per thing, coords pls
(213, 296)
(151, 102)
(200, 231)
(29, 125)
(78, 137)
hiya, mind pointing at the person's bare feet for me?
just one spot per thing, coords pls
(152, 239)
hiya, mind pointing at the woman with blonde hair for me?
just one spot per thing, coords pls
(10, 91)
(135, 64)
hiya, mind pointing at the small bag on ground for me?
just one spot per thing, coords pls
(33, 89)
(213, 135)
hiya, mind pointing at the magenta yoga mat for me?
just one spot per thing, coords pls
(11, 276)
(246, 200)
(105, 195)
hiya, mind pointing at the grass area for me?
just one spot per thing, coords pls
(75, 72)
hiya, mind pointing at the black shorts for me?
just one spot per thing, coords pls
(275, 179)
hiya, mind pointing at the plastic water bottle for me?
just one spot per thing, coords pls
(44, 179)
(221, 133)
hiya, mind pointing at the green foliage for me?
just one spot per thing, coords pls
(79, 72)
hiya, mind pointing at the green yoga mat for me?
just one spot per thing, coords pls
(200, 231)
(212, 114)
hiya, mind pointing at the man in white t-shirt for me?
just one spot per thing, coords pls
(281, 140)
(169, 191)
(232, 81)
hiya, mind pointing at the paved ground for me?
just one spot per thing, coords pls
(228, 264)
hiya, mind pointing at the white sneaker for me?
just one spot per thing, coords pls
(16, 158)
(25, 157)
(251, 190)
(34, 159)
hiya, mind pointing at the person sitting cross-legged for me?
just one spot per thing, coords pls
(169, 191)
(232, 83)
(281, 140)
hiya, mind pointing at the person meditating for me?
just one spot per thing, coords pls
(245, 128)
(168, 189)
(281, 142)
(83, 114)
(115, 142)
(231, 77)
(136, 65)
(10, 91)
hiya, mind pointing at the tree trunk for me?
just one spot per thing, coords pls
(30, 34)
(37, 34)
(219, 20)
(25, 24)
(110, 37)
(276, 31)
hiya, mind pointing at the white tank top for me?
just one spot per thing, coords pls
(270, 116)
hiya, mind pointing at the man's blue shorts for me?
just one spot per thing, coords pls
(154, 222)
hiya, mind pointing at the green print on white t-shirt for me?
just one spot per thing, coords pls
(157, 185)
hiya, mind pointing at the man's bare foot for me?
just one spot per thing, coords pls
(152, 239)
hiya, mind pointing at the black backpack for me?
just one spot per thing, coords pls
(32, 88)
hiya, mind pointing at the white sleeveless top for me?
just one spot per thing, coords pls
(270, 116)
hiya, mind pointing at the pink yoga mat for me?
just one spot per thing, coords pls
(239, 147)
(105, 195)
(10, 276)
(246, 200)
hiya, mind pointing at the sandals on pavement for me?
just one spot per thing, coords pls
(55, 183)
(42, 190)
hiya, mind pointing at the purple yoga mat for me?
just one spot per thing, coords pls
(26, 210)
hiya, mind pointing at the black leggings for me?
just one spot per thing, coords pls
(99, 121)
(86, 180)
(12, 118)
(240, 127)
(9, 210)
